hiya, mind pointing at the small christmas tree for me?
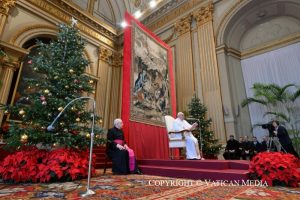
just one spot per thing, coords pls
(60, 67)
(197, 110)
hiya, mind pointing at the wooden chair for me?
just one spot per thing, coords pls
(176, 139)
(106, 157)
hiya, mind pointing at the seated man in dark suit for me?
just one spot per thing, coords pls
(231, 149)
(256, 147)
(284, 139)
(248, 147)
(241, 148)
(264, 144)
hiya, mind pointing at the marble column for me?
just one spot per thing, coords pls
(104, 84)
(184, 70)
(5, 6)
(209, 70)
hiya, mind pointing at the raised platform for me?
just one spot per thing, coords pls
(228, 170)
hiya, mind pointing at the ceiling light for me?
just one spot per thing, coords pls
(152, 4)
(124, 24)
(137, 14)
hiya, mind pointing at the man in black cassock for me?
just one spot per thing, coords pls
(123, 160)
(231, 149)
(284, 139)
(256, 147)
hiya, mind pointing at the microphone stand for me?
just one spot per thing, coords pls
(51, 128)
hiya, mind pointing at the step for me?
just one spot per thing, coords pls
(101, 165)
(196, 174)
(202, 164)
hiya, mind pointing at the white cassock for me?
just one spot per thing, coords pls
(192, 145)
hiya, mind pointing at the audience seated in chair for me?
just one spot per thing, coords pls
(256, 147)
(247, 149)
(231, 150)
(241, 147)
(192, 145)
(122, 157)
(264, 144)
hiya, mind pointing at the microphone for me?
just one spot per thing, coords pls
(50, 128)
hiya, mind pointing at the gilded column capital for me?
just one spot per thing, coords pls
(5, 5)
(117, 59)
(6, 63)
(105, 54)
(183, 25)
(204, 14)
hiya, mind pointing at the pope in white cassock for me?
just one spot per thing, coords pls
(192, 145)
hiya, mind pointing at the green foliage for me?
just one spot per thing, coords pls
(280, 104)
(2, 53)
(60, 66)
(198, 111)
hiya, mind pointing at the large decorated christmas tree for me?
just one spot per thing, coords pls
(60, 71)
(59, 78)
(210, 146)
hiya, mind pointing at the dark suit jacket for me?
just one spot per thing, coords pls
(283, 136)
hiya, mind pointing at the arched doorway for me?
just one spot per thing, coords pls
(251, 29)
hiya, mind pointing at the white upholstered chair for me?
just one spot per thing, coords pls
(176, 140)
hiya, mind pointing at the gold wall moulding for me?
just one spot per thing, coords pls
(29, 28)
(66, 18)
(183, 25)
(105, 54)
(269, 46)
(204, 14)
(190, 4)
(5, 5)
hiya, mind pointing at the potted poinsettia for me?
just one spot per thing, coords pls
(276, 168)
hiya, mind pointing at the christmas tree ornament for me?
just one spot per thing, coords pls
(60, 108)
(29, 62)
(71, 71)
(55, 77)
(42, 98)
(54, 145)
(6, 112)
(66, 86)
(62, 123)
(21, 112)
(88, 135)
(73, 108)
(24, 138)
(46, 91)
(93, 92)
(77, 119)
(37, 85)
(66, 130)
(43, 128)
(91, 81)
(100, 121)
(44, 103)
(97, 136)
(35, 68)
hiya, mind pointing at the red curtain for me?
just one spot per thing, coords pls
(148, 141)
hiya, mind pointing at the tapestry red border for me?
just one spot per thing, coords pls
(148, 141)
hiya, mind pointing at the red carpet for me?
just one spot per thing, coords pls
(229, 170)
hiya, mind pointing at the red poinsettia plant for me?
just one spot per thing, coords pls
(276, 168)
(35, 165)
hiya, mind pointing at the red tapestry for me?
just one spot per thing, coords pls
(148, 92)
